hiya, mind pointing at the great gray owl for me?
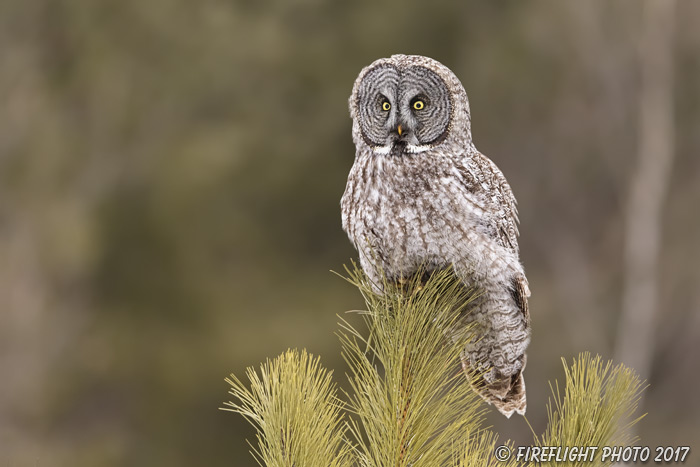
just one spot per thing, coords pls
(420, 195)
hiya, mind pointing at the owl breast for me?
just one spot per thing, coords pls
(411, 211)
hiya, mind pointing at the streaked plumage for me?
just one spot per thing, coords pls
(420, 195)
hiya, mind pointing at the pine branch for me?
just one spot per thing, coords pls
(293, 406)
(413, 402)
(597, 407)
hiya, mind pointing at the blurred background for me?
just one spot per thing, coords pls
(170, 177)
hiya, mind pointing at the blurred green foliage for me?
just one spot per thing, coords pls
(170, 174)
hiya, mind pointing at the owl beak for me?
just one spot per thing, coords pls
(399, 130)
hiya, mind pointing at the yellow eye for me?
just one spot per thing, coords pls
(418, 105)
(386, 106)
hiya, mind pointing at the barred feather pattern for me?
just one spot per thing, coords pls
(420, 195)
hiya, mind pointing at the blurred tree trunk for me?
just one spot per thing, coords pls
(649, 188)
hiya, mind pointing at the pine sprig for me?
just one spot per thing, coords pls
(296, 413)
(597, 408)
(412, 400)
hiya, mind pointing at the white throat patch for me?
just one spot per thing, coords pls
(410, 148)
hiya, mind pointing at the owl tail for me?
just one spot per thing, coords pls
(506, 393)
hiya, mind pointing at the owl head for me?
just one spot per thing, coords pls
(409, 104)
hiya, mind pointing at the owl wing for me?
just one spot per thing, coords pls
(492, 194)
(484, 180)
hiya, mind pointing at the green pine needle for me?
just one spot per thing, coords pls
(293, 406)
(597, 407)
(412, 401)
(478, 451)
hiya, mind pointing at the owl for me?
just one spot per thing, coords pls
(420, 196)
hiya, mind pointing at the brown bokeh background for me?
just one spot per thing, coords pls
(170, 177)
